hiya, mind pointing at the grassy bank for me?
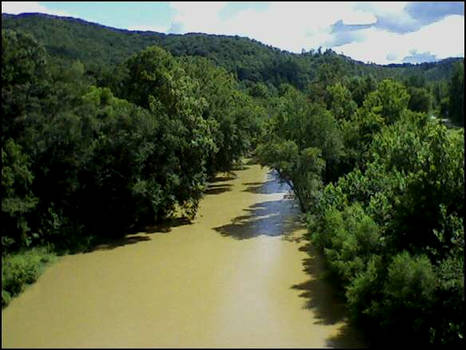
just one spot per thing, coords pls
(23, 268)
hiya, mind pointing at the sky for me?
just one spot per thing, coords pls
(378, 32)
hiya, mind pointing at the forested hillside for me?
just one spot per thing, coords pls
(105, 131)
(98, 46)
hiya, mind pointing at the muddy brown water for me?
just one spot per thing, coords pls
(237, 276)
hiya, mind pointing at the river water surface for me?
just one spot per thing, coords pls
(237, 276)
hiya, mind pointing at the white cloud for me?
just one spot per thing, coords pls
(198, 16)
(443, 39)
(359, 17)
(296, 25)
(287, 25)
(17, 7)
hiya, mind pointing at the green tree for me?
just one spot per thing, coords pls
(456, 95)
(389, 100)
(360, 87)
(155, 81)
(340, 102)
(411, 189)
(420, 100)
(24, 81)
(17, 197)
(233, 117)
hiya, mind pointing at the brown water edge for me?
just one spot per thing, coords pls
(238, 276)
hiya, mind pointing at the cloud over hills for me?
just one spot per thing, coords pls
(380, 32)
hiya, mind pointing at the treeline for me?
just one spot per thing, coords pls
(382, 187)
(83, 162)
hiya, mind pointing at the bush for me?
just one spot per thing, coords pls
(408, 297)
(22, 268)
(352, 238)
(363, 293)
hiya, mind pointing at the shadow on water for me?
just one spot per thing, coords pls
(119, 242)
(269, 218)
(251, 161)
(236, 167)
(166, 225)
(271, 186)
(347, 337)
(225, 177)
(321, 297)
(134, 236)
(280, 218)
(268, 187)
(217, 189)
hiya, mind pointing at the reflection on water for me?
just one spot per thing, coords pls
(239, 275)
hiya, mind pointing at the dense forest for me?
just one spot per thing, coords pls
(105, 131)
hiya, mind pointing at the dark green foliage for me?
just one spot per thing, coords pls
(23, 84)
(302, 142)
(456, 95)
(233, 116)
(353, 237)
(18, 201)
(409, 202)
(440, 98)
(80, 163)
(157, 82)
(340, 102)
(358, 126)
(389, 101)
(420, 100)
(360, 87)
(24, 81)
(301, 169)
(383, 189)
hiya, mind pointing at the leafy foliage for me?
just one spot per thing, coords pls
(456, 95)
(302, 143)
(409, 202)
(83, 162)
(383, 190)
(21, 269)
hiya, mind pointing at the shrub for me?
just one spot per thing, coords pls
(408, 297)
(22, 268)
(353, 237)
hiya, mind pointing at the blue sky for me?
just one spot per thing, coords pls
(380, 32)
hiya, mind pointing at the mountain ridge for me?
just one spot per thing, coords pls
(95, 44)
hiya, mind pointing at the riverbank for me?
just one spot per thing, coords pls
(23, 268)
(238, 276)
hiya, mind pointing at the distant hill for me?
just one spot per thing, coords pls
(98, 46)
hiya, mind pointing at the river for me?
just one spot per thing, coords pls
(237, 276)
